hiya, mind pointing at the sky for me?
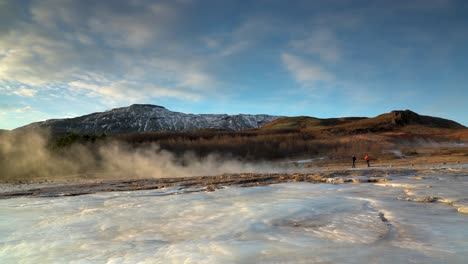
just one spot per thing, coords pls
(330, 58)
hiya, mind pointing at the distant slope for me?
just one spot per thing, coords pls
(307, 122)
(393, 121)
(149, 118)
(460, 134)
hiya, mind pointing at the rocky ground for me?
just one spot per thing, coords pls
(208, 183)
(326, 171)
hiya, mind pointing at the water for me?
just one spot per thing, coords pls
(283, 223)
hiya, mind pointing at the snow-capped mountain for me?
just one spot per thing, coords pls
(146, 118)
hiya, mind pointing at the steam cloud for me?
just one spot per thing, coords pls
(26, 156)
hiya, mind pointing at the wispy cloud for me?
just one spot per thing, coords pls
(245, 36)
(129, 92)
(23, 91)
(322, 43)
(305, 73)
(131, 43)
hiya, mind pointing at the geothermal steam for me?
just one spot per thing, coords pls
(26, 156)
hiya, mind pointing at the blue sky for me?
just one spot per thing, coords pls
(61, 58)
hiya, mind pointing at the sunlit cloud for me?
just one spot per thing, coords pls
(106, 41)
(305, 73)
(25, 92)
(129, 92)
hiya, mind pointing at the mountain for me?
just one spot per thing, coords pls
(146, 118)
(399, 120)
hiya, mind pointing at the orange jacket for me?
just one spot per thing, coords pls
(367, 157)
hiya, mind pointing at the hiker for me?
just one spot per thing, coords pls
(367, 159)
(354, 161)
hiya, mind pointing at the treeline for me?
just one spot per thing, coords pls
(247, 145)
(251, 144)
(73, 138)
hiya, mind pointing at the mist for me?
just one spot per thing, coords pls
(27, 156)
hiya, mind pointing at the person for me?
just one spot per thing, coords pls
(354, 161)
(367, 159)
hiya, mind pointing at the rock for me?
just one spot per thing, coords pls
(417, 178)
(382, 217)
(408, 192)
(374, 180)
(210, 188)
(428, 199)
(314, 177)
(443, 200)
(463, 210)
(353, 180)
(334, 180)
(298, 178)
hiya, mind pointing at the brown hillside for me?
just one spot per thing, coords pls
(460, 135)
(309, 123)
(395, 121)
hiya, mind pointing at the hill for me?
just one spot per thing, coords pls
(395, 121)
(148, 118)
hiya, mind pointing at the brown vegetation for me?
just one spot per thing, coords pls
(255, 144)
(395, 121)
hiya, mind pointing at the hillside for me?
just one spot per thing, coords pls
(395, 121)
(307, 122)
(148, 118)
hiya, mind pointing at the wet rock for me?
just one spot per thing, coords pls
(377, 180)
(383, 218)
(356, 180)
(444, 200)
(210, 188)
(428, 199)
(314, 177)
(417, 178)
(408, 192)
(334, 180)
(463, 210)
(298, 178)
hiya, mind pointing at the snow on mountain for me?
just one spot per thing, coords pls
(146, 118)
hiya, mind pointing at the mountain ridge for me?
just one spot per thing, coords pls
(156, 118)
(149, 118)
(392, 121)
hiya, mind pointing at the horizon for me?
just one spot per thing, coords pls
(144, 104)
(325, 59)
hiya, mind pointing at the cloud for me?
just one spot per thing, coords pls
(126, 45)
(322, 43)
(306, 73)
(13, 115)
(246, 35)
(15, 108)
(128, 92)
(24, 109)
(26, 92)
